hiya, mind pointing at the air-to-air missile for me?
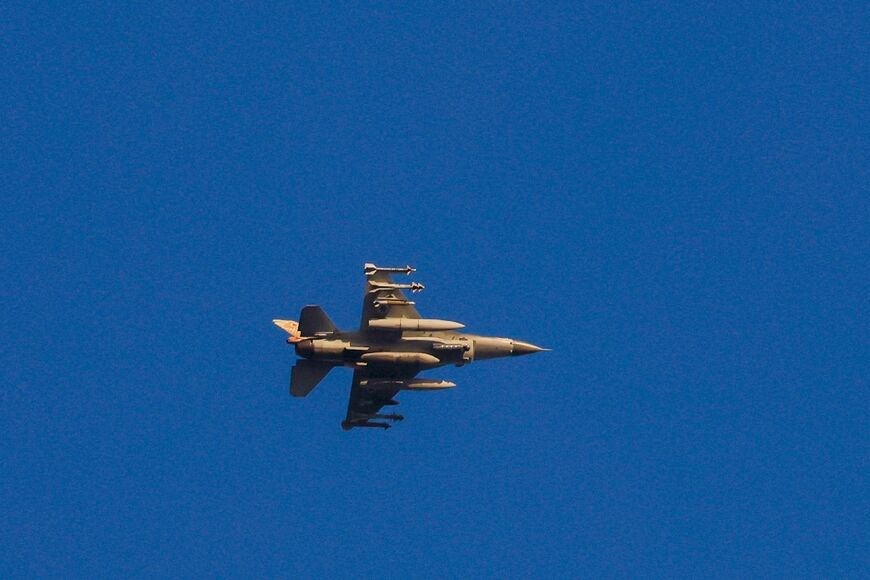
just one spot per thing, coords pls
(392, 345)
(371, 270)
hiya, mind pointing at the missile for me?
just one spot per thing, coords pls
(421, 384)
(381, 286)
(348, 425)
(371, 269)
(400, 358)
(427, 385)
(392, 301)
(413, 324)
(388, 417)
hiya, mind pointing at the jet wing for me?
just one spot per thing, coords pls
(381, 300)
(366, 402)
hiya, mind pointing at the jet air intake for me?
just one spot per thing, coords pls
(413, 324)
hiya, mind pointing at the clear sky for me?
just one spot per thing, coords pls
(673, 197)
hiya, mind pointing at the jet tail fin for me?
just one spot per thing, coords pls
(306, 374)
(313, 320)
(291, 327)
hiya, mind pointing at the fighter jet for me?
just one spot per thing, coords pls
(393, 344)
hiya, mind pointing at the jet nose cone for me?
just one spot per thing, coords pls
(520, 347)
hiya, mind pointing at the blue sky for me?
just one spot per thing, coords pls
(671, 197)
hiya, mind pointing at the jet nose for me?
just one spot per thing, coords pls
(520, 347)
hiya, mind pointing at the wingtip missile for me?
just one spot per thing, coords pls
(371, 269)
(348, 425)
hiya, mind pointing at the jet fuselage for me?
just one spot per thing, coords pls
(387, 348)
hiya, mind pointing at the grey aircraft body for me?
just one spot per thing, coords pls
(393, 344)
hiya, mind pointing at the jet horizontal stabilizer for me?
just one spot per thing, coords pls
(306, 374)
(313, 321)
